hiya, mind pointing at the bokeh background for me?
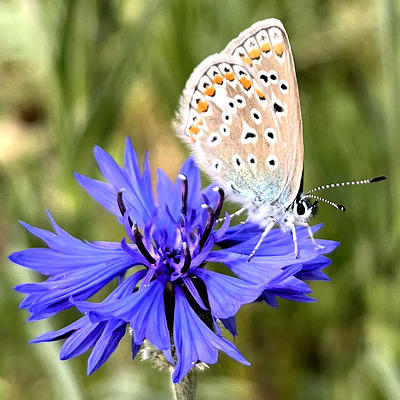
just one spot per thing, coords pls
(79, 73)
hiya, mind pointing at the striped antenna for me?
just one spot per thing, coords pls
(331, 203)
(349, 183)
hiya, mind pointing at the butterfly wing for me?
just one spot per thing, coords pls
(265, 48)
(230, 125)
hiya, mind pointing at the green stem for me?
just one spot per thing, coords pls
(186, 388)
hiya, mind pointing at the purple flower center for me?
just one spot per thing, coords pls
(174, 254)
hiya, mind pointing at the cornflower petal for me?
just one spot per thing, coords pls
(105, 346)
(101, 191)
(227, 294)
(144, 310)
(195, 341)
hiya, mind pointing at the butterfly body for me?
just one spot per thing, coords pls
(298, 213)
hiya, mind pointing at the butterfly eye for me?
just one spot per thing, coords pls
(304, 209)
(300, 209)
(256, 116)
(273, 76)
(284, 86)
(240, 101)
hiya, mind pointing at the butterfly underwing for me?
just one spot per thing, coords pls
(240, 116)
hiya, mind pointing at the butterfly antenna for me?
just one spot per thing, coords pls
(331, 203)
(349, 183)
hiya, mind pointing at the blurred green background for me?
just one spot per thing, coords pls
(74, 74)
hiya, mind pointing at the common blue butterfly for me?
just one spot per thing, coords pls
(240, 115)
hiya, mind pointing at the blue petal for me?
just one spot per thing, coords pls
(287, 295)
(53, 295)
(135, 349)
(230, 324)
(79, 269)
(131, 163)
(194, 341)
(111, 170)
(104, 347)
(227, 294)
(164, 187)
(62, 333)
(312, 270)
(267, 261)
(82, 340)
(136, 195)
(102, 192)
(147, 185)
(168, 194)
(144, 310)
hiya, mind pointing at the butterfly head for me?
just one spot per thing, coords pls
(304, 209)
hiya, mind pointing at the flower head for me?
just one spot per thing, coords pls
(165, 292)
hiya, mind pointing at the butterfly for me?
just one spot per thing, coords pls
(240, 116)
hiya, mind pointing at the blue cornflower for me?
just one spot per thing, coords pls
(164, 293)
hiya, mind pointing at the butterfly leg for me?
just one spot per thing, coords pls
(294, 234)
(236, 213)
(310, 234)
(266, 230)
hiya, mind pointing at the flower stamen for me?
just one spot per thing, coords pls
(188, 258)
(184, 193)
(122, 207)
(220, 202)
(209, 225)
(137, 237)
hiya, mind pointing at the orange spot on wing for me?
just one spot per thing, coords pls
(209, 91)
(218, 79)
(266, 47)
(278, 48)
(246, 60)
(202, 106)
(260, 94)
(246, 82)
(194, 130)
(255, 53)
(200, 122)
(230, 76)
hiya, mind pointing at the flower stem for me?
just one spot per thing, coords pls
(186, 388)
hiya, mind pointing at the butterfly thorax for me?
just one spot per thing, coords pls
(297, 213)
